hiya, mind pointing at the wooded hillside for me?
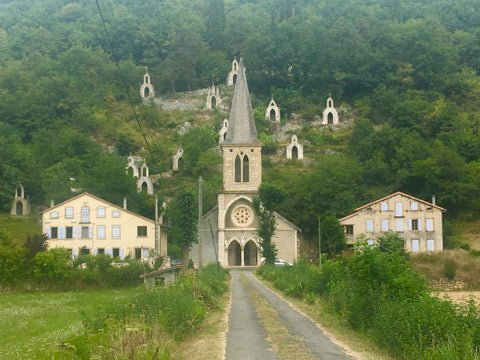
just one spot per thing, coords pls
(407, 71)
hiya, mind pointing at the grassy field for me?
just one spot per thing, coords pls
(33, 321)
(18, 227)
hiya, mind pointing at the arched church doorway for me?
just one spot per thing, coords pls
(19, 208)
(272, 115)
(146, 92)
(330, 118)
(144, 187)
(250, 254)
(234, 254)
(214, 102)
(294, 153)
(130, 171)
(234, 79)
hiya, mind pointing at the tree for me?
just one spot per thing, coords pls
(12, 262)
(269, 197)
(34, 244)
(182, 218)
(332, 235)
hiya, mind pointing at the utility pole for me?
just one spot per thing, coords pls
(157, 243)
(319, 244)
(200, 211)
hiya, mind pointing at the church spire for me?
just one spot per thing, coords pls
(241, 124)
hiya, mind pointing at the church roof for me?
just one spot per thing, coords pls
(241, 124)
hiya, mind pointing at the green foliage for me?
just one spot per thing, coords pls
(269, 198)
(182, 215)
(12, 262)
(450, 269)
(332, 235)
(298, 280)
(53, 265)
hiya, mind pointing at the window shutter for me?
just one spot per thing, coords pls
(90, 232)
(74, 253)
(145, 253)
(95, 252)
(419, 224)
(109, 252)
(121, 253)
(409, 224)
(79, 232)
(74, 232)
(49, 233)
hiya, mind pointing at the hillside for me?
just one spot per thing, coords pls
(404, 75)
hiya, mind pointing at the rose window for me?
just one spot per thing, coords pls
(242, 216)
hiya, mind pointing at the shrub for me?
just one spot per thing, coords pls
(450, 269)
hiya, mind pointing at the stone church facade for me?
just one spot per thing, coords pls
(229, 231)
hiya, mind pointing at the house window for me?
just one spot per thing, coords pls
(141, 231)
(84, 251)
(54, 214)
(101, 212)
(85, 232)
(430, 245)
(413, 206)
(415, 245)
(369, 225)
(138, 253)
(415, 224)
(349, 229)
(101, 251)
(116, 231)
(85, 214)
(384, 206)
(101, 232)
(69, 212)
(116, 214)
(69, 231)
(429, 224)
(399, 224)
(398, 209)
(116, 252)
(54, 233)
(384, 225)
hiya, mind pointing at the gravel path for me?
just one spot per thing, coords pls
(246, 338)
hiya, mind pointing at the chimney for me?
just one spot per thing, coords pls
(125, 203)
(52, 203)
(434, 197)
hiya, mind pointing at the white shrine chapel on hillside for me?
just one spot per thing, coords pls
(229, 231)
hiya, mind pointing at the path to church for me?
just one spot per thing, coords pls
(247, 337)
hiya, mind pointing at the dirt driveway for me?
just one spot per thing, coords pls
(261, 325)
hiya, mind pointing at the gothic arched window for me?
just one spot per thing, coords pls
(246, 168)
(238, 169)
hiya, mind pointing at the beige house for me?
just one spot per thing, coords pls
(88, 224)
(229, 231)
(417, 221)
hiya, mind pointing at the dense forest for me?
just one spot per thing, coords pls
(408, 71)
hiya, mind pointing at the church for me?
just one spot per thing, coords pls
(228, 232)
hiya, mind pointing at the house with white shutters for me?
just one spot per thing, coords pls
(88, 224)
(417, 221)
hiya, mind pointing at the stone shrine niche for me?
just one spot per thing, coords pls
(272, 113)
(146, 89)
(20, 205)
(232, 75)
(294, 149)
(137, 168)
(177, 159)
(330, 114)
(223, 131)
(213, 97)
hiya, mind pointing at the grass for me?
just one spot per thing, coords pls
(33, 322)
(18, 227)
